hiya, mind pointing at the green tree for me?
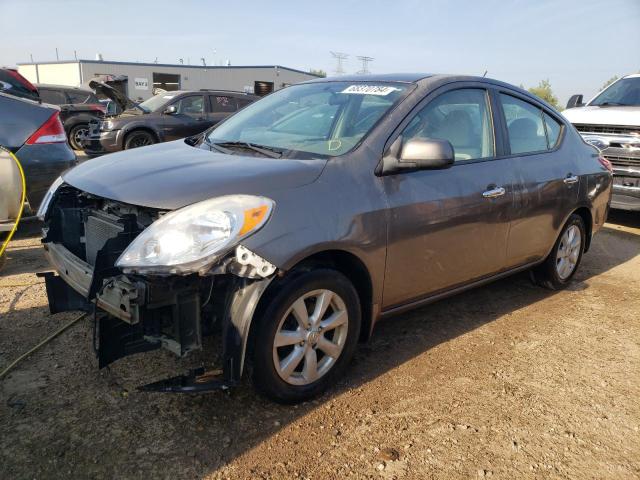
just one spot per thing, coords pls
(544, 91)
(609, 82)
(318, 72)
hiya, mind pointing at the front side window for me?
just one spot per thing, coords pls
(76, 97)
(191, 105)
(462, 117)
(323, 119)
(524, 125)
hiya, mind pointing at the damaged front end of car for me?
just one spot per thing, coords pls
(158, 279)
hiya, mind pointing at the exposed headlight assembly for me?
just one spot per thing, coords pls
(44, 205)
(106, 125)
(192, 238)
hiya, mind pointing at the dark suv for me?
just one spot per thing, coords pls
(78, 107)
(164, 117)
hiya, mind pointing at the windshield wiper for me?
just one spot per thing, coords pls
(263, 149)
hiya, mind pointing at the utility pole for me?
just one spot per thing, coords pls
(365, 64)
(57, 57)
(340, 58)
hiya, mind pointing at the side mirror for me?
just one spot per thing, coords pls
(418, 154)
(170, 110)
(575, 101)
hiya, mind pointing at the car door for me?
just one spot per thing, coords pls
(221, 107)
(549, 185)
(449, 227)
(188, 119)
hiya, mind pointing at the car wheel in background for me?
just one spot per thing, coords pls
(77, 134)
(563, 261)
(306, 336)
(139, 139)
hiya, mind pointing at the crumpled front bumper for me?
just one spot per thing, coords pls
(127, 310)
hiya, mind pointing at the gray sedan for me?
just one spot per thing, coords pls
(298, 223)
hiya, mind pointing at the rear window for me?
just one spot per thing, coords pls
(55, 97)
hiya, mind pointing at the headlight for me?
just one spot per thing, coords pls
(106, 125)
(44, 205)
(192, 238)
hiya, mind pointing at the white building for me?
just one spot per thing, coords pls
(137, 80)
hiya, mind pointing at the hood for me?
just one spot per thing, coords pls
(124, 102)
(608, 115)
(173, 175)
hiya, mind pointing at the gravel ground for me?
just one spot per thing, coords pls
(505, 381)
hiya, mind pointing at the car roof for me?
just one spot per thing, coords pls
(62, 87)
(207, 90)
(381, 77)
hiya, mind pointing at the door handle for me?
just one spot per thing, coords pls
(494, 192)
(571, 179)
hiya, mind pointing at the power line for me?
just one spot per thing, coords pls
(365, 64)
(340, 58)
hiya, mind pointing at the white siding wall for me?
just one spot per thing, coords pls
(53, 73)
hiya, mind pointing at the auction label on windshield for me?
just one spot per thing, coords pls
(369, 89)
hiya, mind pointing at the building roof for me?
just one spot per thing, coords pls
(160, 65)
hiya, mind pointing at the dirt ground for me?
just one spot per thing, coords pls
(505, 381)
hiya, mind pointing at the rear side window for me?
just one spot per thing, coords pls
(460, 116)
(77, 97)
(54, 97)
(553, 130)
(524, 124)
(222, 103)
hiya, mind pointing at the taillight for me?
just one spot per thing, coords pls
(51, 131)
(605, 163)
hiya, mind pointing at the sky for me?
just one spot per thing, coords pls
(576, 44)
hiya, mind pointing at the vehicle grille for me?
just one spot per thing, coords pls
(623, 161)
(614, 129)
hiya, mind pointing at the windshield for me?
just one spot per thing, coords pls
(311, 120)
(156, 103)
(624, 92)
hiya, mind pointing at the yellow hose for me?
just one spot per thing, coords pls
(24, 193)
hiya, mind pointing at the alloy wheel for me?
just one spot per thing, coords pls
(310, 337)
(568, 252)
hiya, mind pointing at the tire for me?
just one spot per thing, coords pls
(139, 138)
(561, 265)
(270, 375)
(75, 135)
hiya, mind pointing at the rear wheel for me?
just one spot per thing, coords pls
(306, 336)
(563, 261)
(139, 138)
(77, 135)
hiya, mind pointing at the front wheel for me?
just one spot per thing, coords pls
(563, 261)
(139, 139)
(77, 135)
(306, 336)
